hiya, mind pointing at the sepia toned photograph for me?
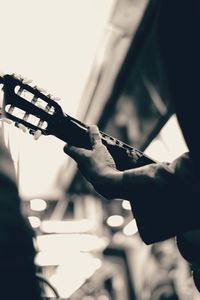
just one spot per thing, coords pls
(99, 150)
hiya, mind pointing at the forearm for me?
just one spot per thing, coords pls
(18, 280)
(163, 198)
(17, 269)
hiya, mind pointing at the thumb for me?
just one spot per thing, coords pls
(72, 151)
(76, 153)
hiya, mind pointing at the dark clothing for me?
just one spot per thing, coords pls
(178, 40)
(167, 201)
(17, 269)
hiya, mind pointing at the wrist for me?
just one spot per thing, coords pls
(110, 183)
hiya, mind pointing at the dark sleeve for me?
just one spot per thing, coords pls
(17, 269)
(164, 198)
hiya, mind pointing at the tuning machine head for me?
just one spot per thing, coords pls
(36, 133)
(54, 98)
(40, 89)
(18, 76)
(20, 126)
(24, 80)
(27, 81)
(6, 120)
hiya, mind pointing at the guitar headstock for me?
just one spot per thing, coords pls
(32, 107)
(29, 106)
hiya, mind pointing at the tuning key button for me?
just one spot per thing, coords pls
(54, 98)
(18, 125)
(22, 127)
(18, 76)
(37, 134)
(7, 121)
(27, 81)
(40, 89)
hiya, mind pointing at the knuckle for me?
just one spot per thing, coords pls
(88, 155)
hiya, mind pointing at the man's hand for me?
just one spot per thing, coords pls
(97, 165)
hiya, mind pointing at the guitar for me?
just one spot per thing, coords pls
(30, 107)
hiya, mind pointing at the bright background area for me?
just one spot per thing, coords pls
(169, 143)
(54, 43)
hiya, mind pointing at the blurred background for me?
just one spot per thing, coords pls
(85, 53)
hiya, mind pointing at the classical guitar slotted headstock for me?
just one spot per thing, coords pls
(30, 106)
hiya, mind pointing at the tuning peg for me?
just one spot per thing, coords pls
(37, 134)
(27, 80)
(22, 127)
(54, 98)
(40, 89)
(17, 76)
(6, 121)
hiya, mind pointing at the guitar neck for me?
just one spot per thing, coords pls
(29, 108)
(75, 133)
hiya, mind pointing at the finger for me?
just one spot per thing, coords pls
(95, 136)
(75, 152)
(72, 151)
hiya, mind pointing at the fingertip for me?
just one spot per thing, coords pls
(69, 149)
(94, 129)
(65, 148)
